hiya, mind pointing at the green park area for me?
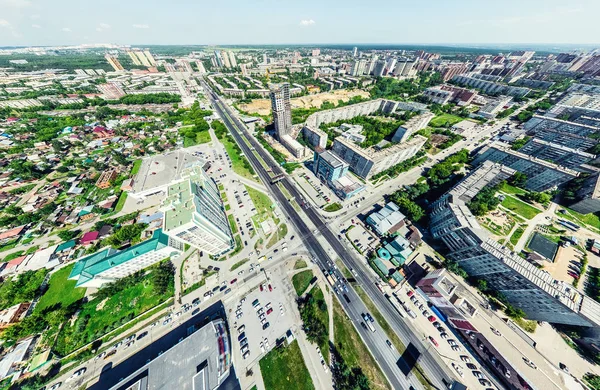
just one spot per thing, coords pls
(315, 317)
(115, 305)
(353, 351)
(301, 281)
(519, 207)
(239, 162)
(283, 369)
(445, 120)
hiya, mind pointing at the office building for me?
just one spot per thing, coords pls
(195, 215)
(109, 264)
(524, 285)
(588, 195)
(114, 62)
(328, 167)
(558, 154)
(541, 175)
(293, 146)
(366, 162)
(200, 360)
(282, 108)
(413, 125)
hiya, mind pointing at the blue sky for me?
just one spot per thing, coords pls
(58, 22)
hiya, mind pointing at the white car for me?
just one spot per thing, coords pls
(55, 386)
(77, 374)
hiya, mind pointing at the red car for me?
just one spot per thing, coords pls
(270, 288)
(410, 293)
(270, 311)
(433, 341)
(431, 319)
(261, 287)
(233, 281)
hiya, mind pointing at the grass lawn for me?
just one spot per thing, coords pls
(203, 137)
(323, 316)
(238, 161)
(262, 202)
(591, 220)
(137, 164)
(353, 350)
(121, 201)
(301, 281)
(508, 189)
(300, 264)
(284, 369)
(232, 223)
(332, 207)
(517, 235)
(239, 264)
(445, 119)
(519, 207)
(61, 290)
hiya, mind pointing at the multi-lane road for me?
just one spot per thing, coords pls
(388, 358)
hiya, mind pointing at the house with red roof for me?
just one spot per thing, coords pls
(89, 238)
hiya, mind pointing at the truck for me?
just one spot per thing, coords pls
(330, 280)
(396, 303)
(261, 259)
(368, 323)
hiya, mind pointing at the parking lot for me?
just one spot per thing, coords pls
(361, 237)
(318, 193)
(257, 320)
(444, 341)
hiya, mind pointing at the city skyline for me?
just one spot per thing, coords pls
(29, 22)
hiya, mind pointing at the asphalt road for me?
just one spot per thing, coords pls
(387, 357)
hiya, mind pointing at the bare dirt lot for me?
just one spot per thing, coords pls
(263, 106)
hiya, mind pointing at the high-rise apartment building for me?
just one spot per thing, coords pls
(114, 62)
(355, 51)
(232, 59)
(379, 68)
(150, 58)
(133, 58)
(194, 213)
(218, 58)
(282, 108)
(358, 67)
(525, 286)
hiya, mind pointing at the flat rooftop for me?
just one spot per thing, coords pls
(158, 171)
(201, 361)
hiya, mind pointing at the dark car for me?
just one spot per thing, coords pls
(266, 325)
(142, 335)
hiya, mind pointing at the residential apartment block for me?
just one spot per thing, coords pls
(489, 87)
(524, 285)
(366, 162)
(282, 108)
(413, 125)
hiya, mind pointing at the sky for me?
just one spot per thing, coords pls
(200, 22)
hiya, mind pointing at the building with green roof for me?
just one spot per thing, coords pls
(109, 264)
(195, 215)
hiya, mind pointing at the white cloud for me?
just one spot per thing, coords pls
(104, 26)
(36, 26)
(5, 24)
(307, 22)
(35, 16)
(15, 3)
(66, 29)
(141, 26)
